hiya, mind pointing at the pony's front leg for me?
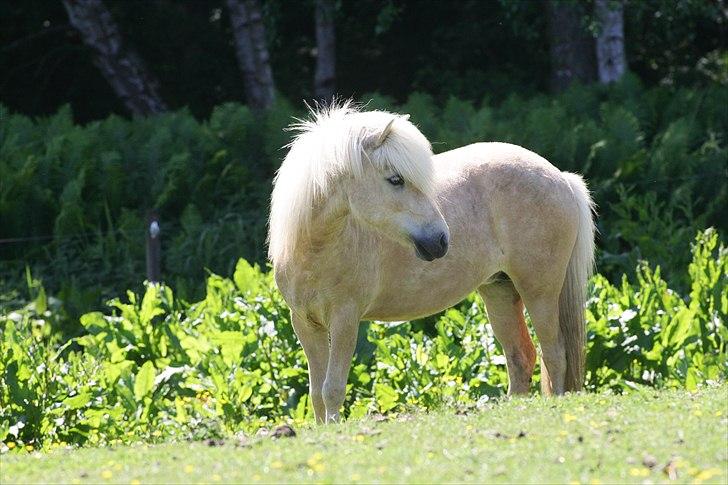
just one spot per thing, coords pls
(315, 341)
(343, 332)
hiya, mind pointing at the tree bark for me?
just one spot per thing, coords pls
(611, 60)
(122, 67)
(325, 78)
(571, 46)
(251, 49)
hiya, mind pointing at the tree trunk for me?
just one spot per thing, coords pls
(611, 59)
(252, 52)
(571, 46)
(122, 68)
(325, 79)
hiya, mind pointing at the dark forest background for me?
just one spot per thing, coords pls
(469, 49)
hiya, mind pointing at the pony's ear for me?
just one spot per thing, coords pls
(376, 139)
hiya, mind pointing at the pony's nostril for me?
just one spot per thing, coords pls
(443, 241)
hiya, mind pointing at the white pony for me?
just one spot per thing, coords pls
(366, 224)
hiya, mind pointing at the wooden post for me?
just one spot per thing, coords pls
(154, 248)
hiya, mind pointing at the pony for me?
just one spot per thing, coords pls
(367, 224)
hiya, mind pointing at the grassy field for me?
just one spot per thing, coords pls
(647, 436)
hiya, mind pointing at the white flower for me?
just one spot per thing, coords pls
(268, 328)
(627, 315)
(15, 429)
(629, 340)
(648, 376)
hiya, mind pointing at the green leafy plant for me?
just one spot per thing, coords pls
(155, 368)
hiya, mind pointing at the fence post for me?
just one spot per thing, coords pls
(154, 248)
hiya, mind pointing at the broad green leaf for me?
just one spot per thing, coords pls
(231, 346)
(144, 381)
(151, 304)
(247, 278)
(77, 401)
(387, 397)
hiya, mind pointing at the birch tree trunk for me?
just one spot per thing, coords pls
(611, 60)
(122, 67)
(251, 49)
(571, 46)
(325, 78)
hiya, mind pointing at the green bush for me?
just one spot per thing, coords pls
(655, 159)
(157, 368)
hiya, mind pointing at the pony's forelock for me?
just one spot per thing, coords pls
(334, 141)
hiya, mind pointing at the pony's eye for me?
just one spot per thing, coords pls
(396, 180)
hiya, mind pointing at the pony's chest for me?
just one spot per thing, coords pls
(313, 287)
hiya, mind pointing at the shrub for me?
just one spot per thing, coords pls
(84, 190)
(157, 368)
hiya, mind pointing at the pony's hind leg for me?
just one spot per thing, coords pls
(505, 312)
(315, 341)
(544, 311)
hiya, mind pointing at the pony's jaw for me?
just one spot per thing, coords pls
(429, 242)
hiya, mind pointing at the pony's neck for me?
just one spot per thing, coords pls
(334, 232)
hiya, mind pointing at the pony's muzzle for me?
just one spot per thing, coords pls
(432, 246)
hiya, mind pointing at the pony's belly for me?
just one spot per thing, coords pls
(410, 307)
(420, 288)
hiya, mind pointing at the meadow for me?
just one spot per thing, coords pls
(647, 436)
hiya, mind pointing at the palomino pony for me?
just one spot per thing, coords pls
(366, 224)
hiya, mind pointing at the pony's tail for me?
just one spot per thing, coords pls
(573, 294)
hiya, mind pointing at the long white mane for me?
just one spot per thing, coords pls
(337, 141)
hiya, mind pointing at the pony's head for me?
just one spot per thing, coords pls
(375, 166)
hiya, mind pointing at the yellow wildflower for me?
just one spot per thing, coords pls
(708, 474)
(10, 445)
(569, 418)
(315, 464)
(135, 482)
(639, 472)
(277, 464)
(188, 469)
(106, 474)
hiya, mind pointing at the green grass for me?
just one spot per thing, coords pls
(585, 438)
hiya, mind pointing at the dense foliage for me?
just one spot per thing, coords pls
(655, 159)
(156, 368)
